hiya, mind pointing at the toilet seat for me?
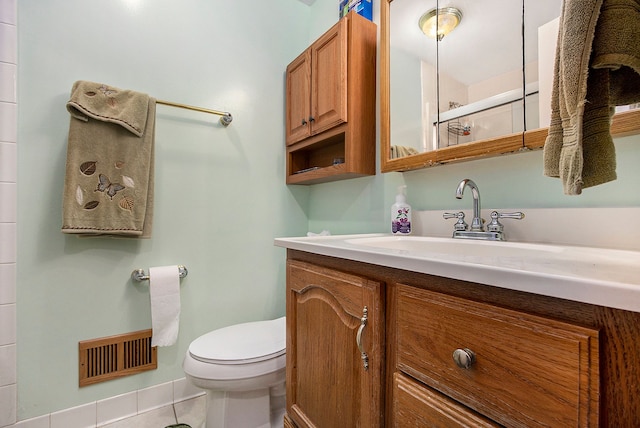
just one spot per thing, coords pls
(253, 352)
(245, 343)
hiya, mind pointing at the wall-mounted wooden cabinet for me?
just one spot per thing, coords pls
(330, 112)
(316, 88)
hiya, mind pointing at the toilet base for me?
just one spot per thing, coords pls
(278, 405)
(247, 409)
(257, 402)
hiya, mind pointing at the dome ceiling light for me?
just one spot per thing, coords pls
(437, 23)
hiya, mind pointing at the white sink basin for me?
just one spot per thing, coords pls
(582, 262)
(591, 275)
(450, 246)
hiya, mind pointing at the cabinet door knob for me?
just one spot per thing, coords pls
(311, 119)
(464, 358)
(363, 324)
(304, 122)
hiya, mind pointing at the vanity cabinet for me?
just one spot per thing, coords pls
(335, 331)
(330, 105)
(456, 353)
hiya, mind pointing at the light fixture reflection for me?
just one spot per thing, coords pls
(448, 18)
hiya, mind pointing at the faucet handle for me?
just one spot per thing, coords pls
(460, 224)
(495, 225)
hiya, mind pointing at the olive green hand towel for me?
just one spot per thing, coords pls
(108, 186)
(597, 66)
(618, 49)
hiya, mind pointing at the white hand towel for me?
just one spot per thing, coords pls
(164, 291)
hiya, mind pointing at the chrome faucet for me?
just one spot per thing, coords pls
(495, 230)
(476, 223)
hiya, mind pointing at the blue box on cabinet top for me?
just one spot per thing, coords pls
(362, 7)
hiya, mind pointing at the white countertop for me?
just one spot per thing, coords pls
(590, 275)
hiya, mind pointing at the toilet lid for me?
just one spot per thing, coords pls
(242, 343)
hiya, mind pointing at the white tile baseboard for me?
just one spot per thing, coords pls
(109, 410)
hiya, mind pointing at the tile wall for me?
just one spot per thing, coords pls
(8, 211)
(157, 406)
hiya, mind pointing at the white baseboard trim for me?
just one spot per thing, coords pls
(113, 409)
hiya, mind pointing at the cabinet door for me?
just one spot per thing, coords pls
(328, 384)
(329, 79)
(298, 95)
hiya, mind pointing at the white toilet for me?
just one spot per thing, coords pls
(242, 369)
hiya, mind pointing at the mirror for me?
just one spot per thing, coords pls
(483, 89)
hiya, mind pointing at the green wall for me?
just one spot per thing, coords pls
(220, 196)
(220, 193)
(510, 181)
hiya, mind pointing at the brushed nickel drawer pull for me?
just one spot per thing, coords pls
(464, 358)
(363, 323)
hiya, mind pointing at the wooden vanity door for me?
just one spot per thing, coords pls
(327, 383)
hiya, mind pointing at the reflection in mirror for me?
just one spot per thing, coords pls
(475, 57)
(541, 23)
(480, 74)
(471, 81)
(414, 81)
(540, 37)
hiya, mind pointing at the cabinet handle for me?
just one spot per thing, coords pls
(363, 323)
(304, 122)
(311, 119)
(464, 358)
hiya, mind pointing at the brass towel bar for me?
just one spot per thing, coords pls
(225, 118)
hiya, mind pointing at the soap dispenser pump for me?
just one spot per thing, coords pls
(401, 214)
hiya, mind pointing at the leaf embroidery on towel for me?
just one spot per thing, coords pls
(126, 203)
(88, 168)
(91, 205)
(79, 195)
(128, 181)
(106, 186)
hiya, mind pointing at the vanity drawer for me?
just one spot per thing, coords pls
(527, 371)
(415, 405)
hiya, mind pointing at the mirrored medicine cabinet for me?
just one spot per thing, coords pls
(482, 89)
